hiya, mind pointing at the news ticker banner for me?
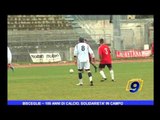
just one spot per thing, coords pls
(45, 57)
(80, 102)
(133, 53)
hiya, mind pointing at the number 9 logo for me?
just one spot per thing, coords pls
(134, 85)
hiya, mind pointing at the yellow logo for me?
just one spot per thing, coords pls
(134, 85)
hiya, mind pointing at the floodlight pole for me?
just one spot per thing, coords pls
(116, 32)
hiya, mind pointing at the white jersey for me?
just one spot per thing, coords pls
(9, 56)
(81, 50)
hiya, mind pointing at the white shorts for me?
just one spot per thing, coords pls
(9, 56)
(83, 65)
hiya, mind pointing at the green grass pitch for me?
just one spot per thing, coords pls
(56, 83)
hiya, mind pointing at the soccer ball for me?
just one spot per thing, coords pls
(71, 71)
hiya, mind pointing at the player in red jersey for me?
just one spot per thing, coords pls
(105, 59)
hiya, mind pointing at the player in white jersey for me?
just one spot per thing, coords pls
(10, 59)
(81, 57)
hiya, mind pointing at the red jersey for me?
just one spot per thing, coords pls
(105, 53)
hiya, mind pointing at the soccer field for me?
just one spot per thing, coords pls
(56, 83)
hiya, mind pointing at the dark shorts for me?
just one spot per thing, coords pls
(103, 65)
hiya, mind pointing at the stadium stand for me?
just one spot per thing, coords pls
(41, 33)
(48, 33)
(37, 22)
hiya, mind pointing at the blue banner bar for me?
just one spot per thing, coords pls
(80, 102)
